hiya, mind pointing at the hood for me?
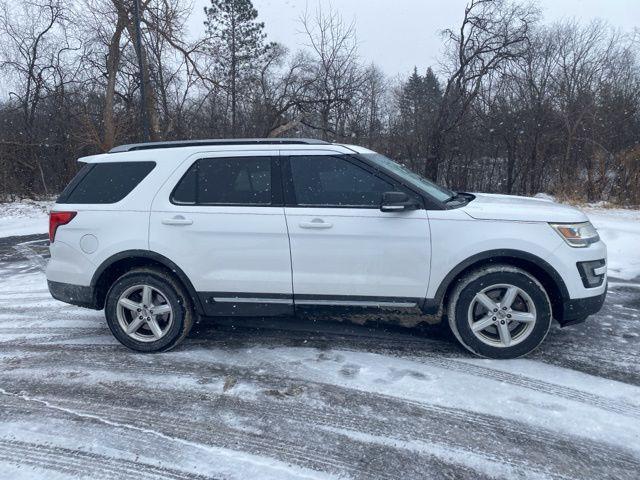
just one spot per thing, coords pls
(487, 206)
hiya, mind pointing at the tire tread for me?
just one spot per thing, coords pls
(474, 275)
(164, 276)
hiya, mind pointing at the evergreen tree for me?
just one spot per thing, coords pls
(432, 91)
(237, 42)
(418, 102)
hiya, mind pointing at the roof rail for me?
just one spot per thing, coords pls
(231, 141)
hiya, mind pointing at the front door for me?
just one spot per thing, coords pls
(344, 249)
(221, 220)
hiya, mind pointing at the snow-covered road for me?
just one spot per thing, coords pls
(309, 398)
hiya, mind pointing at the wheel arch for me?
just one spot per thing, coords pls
(116, 265)
(548, 276)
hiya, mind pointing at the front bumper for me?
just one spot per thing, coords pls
(73, 294)
(577, 310)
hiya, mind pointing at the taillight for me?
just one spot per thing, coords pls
(56, 219)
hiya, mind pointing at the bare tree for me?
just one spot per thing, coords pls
(519, 107)
(33, 48)
(492, 33)
(337, 73)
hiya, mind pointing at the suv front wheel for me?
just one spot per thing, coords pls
(148, 310)
(499, 312)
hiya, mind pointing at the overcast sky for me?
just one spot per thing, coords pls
(398, 34)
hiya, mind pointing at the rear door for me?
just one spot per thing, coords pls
(344, 249)
(220, 218)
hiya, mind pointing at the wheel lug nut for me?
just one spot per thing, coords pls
(504, 308)
(139, 309)
(495, 309)
(508, 315)
(494, 319)
(140, 317)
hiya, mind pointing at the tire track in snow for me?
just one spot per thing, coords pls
(320, 458)
(405, 437)
(436, 359)
(54, 332)
(550, 447)
(597, 360)
(541, 386)
(193, 431)
(161, 367)
(477, 371)
(53, 339)
(73, 462)
(27, 250)
(120, 438)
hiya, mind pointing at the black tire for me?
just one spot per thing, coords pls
(175, 295)
(475, 282)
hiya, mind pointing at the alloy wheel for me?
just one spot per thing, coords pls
(144, 313)
(502, 315)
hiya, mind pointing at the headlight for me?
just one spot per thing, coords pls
(577, 234)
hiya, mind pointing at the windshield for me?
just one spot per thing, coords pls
(440, 193)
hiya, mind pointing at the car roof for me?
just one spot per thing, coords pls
(221, 141)
(160, 151)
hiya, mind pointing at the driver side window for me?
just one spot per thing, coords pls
(323, 180)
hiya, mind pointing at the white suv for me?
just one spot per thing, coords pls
(159, 234)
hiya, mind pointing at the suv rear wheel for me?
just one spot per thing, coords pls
(499, 312)
(148, 310)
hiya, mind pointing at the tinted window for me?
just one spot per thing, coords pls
(226, 181)
(435, 190)
(324, 180)
(105, 182)
(185, 191)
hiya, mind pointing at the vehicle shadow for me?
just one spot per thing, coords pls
(375, 334)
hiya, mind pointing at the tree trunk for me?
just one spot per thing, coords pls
(234, 78)
(113, 61)
(150, 98)
(434, 155)
(325, 121)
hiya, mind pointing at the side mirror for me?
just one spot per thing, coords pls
(397, 202)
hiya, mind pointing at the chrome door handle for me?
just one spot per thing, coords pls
(316, 223)
(177, 220)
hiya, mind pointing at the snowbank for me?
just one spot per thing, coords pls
(620, 230)
(24, 218)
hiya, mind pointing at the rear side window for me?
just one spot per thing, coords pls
(226, 181)
(100, 183)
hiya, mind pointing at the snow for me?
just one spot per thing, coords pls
(545, 196)
(76, 400)
(429, 383)
(24, 218)
(492, 467)
(193, 458)
(620, 230)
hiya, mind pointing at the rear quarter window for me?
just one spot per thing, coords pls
(101, 183)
